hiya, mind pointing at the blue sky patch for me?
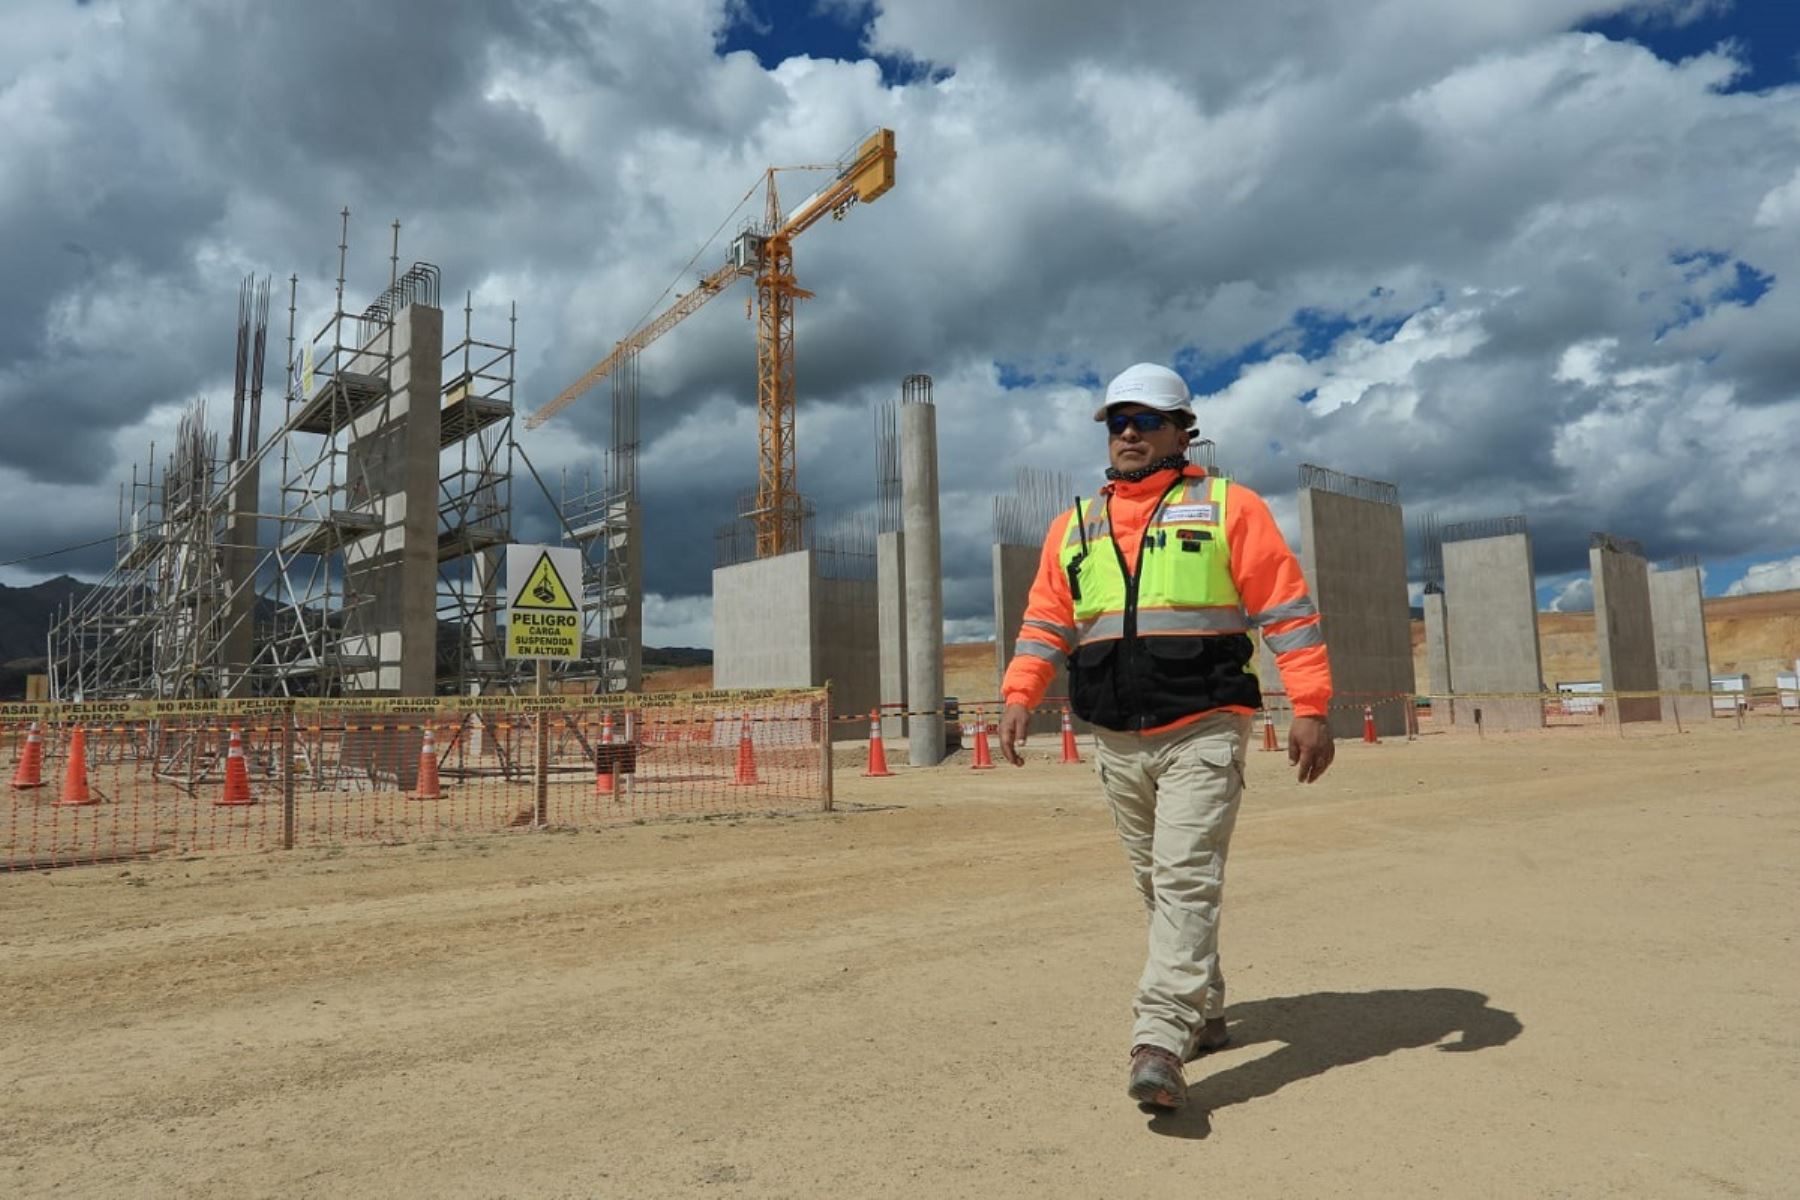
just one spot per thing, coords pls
(777, 30)
(1766, 34)
(1311, 333)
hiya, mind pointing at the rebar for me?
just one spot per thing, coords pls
(1484, 527)
(1022, 518)
(1324, 479)
(1614, 543)
(887, 467)
(1427, 537)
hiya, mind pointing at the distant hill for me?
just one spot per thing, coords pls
(1756, 635)
(677, 656)
(25, 615)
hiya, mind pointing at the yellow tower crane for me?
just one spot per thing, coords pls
(766, 252)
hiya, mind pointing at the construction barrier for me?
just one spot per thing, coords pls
(141, 778)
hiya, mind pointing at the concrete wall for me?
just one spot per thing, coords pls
(847, 653)
(1354, 554)
(1682, 661)
(392, 469)
(777, 623)
(1626, 630)
(764, 623)
(1437, 644)
(1490, 599)
(890, 587)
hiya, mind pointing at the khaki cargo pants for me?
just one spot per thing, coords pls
(1174, 800)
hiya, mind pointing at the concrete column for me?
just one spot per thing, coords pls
(890, 586)
(1437, 656)
(393, 456)
(1678, 614)
(1626, 632)
(924, 583)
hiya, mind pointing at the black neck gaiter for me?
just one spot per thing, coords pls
(1172, 462)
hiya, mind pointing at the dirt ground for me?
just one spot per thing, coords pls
(1557, 964)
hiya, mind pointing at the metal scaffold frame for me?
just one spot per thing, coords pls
(199, 604)
(475, 488)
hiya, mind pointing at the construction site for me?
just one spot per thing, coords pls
(285, 735)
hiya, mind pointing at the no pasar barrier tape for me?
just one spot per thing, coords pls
(730, 703)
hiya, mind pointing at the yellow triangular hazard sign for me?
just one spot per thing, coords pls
(544, 589)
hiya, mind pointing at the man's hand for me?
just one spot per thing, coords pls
(1310, 747)
(1013, 724)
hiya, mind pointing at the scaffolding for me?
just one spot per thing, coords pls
(198, 604)
(475, 495)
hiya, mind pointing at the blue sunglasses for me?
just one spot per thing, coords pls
(1143, 422)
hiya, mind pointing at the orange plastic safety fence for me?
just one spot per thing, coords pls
(97, 793)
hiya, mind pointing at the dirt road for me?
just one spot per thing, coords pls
(1559, 965)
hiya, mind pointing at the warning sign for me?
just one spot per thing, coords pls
(543, 605)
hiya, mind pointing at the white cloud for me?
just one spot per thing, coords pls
(1525, 209)
(678, 620)
(1780, 575)
(1577, 595)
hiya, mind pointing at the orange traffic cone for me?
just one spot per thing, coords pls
(75, 780)
(30, 771)
(878, 767)
(428, 768)
(1269, 742)
(746, 758)
(1369, 724)
(1069, 753)
(984, 757)
(237, 773)
(605, 783)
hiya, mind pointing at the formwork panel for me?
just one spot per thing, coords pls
(1353, 551)
(1490, 592)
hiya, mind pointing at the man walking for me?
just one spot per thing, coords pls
(1150, 592)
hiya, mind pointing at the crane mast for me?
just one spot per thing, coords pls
(766, 253)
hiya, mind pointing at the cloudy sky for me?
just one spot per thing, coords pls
(1519, 256)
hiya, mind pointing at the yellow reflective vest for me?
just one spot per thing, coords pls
(1171, 639)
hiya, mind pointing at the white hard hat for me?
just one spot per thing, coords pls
(1149, 385)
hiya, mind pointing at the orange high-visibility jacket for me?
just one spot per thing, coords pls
(1264, 570)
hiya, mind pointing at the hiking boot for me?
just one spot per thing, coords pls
(1211, 1036)
(1156, 1078)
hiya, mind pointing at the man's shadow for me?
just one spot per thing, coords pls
(1332, 1029)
